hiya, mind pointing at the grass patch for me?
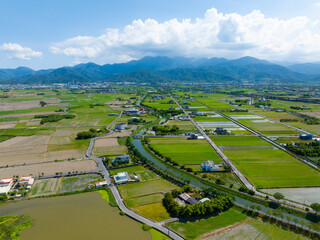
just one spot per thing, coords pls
(11, 226)
(153, 211)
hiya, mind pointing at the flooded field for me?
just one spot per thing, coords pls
(82, 216)
(302, 195)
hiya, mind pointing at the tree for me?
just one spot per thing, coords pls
(278, 196)
(227, 168)
(42, 103)
(315, 207)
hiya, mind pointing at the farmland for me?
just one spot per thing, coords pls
(257, 229)
(195, 228)
(266, 166)
(185, 151)
(77, 183)
(145, 197)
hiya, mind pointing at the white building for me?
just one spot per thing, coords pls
(101, 184)
(121, 178)
(26, 181)
(132, 112)
(209, 166)
(121, 126)
(5, 185)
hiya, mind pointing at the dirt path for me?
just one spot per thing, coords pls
(221, 230)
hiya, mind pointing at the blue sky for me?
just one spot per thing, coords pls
(49, 34)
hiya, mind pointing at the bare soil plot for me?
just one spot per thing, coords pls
(312, 114)
(108, 146)
(33, 114)
(64, 154)
(48, 168)
(7, 106)
(45, 187)
(26, 149)
(5, 126)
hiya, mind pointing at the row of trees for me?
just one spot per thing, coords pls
(54, 117)
(166, 130)
(311, 149)
(213, 206)
(87, 134)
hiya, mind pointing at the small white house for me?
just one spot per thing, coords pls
(121, 126)
(101, 184)
(26, 181)
(121, 178)
(122, 158)
(5, 185)
(132, 112)
(209, 166)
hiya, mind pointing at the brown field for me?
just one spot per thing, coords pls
(48, 168)
(7, 106)
(108, 146)
(34, 149)
(5, 126)
(312, 114)
(33, 114)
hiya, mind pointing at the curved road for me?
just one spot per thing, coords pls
(102, 169)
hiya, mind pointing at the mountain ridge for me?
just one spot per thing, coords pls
(163, 69)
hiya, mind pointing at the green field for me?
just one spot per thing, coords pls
(154, 211)
(195, 228)
(264, 165)
(145, 188)
(185, 151)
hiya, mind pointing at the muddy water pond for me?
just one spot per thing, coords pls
(81, 217)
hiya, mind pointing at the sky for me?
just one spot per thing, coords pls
(49, 34)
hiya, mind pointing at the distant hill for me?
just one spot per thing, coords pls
(164, 69)
(306, 68)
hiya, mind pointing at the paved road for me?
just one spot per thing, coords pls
(242, 178)
(102, 169)
(289, 203)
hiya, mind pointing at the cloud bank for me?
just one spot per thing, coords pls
(214, 35)
(16, 51)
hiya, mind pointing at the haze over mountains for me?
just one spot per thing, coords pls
(164, 69)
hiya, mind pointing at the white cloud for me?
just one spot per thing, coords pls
(16, 51)
(317, 4)
(214, 35)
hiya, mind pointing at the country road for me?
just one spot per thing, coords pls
(102, 169)
(242, 178)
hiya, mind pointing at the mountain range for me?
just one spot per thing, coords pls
(163, 69)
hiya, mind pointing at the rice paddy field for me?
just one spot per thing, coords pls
(184, 126)
(264, 165)
(163, 103)
(262, 125)
(184, 151)
(212, 103)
